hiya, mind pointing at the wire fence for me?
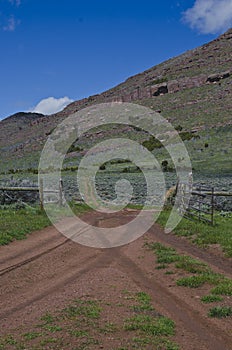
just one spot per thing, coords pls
(44, 195)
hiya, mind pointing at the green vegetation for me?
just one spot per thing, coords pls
(152, 143)
(165, 166)
(203, 234)
(74, 148)
(15, 223)
(22, 171)
(224, 288)
(70, 168)
(199, 280)
(149, 326)
(158, 81)
(144, 301)
(186, 135)
(82, 325)
(87, 309)
(32, 335)
(220, 311)
(167, 255)
(211, 298)
(200, 273)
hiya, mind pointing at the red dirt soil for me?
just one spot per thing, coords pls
(45, 272)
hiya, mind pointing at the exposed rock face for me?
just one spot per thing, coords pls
(217, 77)
(171, 86)
(160, 89)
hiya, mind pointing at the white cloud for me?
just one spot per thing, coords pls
(209, 16)
(11, 24)
(51, 105)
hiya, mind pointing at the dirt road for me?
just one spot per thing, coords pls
(46, 271)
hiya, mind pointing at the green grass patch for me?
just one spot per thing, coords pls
(15, 224)
(161, 266)
(204, 234)
(151, 331)
(48, 319)
(223, 288)
(163, 343)
(150, 325)
(144, 301)
(199, 280)
(165, 255)
(211, 298)
(220, 311)
(189, 264)
(200, 272)
(88, 309)
(32, 335)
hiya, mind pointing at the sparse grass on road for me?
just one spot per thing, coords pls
(83, 325)
(199, 273)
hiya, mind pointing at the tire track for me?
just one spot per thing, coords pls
(37, 256)
(29, 260)
(64, 280)
(36, 246)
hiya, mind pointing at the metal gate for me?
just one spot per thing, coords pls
(200, 206)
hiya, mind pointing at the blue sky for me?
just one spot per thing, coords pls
(67, 50)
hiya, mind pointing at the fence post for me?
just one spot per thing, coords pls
(60, 193)
(212, 207)
(199, 205)
(41, 194)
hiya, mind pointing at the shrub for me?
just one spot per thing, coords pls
(152, 143)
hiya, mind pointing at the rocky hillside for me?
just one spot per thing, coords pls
(193, 90)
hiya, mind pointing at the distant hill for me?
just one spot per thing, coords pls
(193, 90)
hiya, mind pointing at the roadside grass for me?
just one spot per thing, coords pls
(15, 224)
(199, 280)
(84, 325)
(210, 298)
(168, 255)
(220, 311)
(200, 273)
(203, 234)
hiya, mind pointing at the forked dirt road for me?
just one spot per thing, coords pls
(46, 271)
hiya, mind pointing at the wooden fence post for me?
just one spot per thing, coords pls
(41, 194)
(60, 193)
(212, 207)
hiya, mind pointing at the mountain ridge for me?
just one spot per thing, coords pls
(191, 90)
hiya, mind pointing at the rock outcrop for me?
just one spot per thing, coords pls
(171, 87)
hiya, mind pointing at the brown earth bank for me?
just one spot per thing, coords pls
(46, 272)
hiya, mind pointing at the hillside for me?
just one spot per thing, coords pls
(193, 90)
